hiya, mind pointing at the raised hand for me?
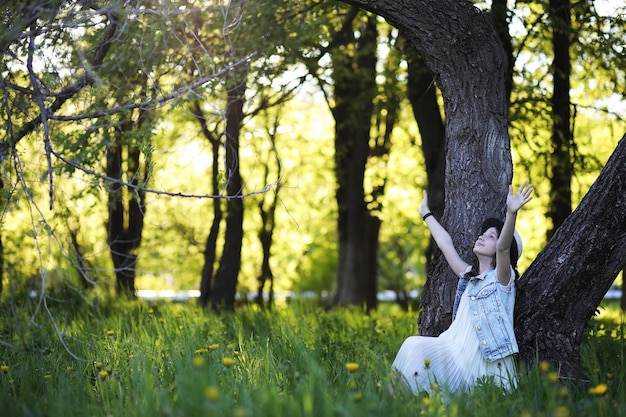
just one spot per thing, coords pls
(516, 201)
(424, 207)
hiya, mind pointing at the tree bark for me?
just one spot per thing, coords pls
(355, 88)
(562, 288)
(226, 277)
(499, 14)
(561, 167)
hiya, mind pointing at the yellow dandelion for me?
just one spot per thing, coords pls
(199, 351)
(426, 363)
(214, 346)
(552, 377)
(47, 377)
(103, 374)
(236, 353)
(598, 390)
(4, 368)
(228, 362)
(211, 393)
(352, 366)
(609, 376)
(544, 366)
(150, 311)
(110, 333)
(98, 365)
(198, 361)
(161, 320)
(357, 397)
(69, 368)
(426, 401)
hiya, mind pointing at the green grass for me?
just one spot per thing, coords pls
(141, 359)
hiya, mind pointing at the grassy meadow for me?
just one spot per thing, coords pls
(173, 359)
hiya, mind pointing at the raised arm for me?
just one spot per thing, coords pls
(442, 239)
(514, 202)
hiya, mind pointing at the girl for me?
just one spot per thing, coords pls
(480, 342)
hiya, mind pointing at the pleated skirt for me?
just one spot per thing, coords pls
(452, 360)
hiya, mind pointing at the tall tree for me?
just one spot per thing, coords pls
(357, 102)
(462, 49)
(225, 287)
(353, 54)
(561, 166)
(386, 116)
(125, 163)
(229, 33)
(206, 276)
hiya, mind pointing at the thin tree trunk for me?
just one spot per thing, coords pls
(210, 248)
(225, 287)
(561, 168)
(81, 263)
(268, 223)
(126, 211)
(266, 234)
(387, 114)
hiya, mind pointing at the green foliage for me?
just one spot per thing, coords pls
(174, 360)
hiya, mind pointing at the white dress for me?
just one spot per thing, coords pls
(453, 359)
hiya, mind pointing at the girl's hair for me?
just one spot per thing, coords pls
(498, 224)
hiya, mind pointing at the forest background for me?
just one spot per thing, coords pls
(115, 149)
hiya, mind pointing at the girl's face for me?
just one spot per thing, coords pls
(486, 243)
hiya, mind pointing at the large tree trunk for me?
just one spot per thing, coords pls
(354, 95)
(562, 288)
(561, 169)
(463, 51)
(225, 288)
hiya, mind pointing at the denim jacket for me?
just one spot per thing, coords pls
(491, 310)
